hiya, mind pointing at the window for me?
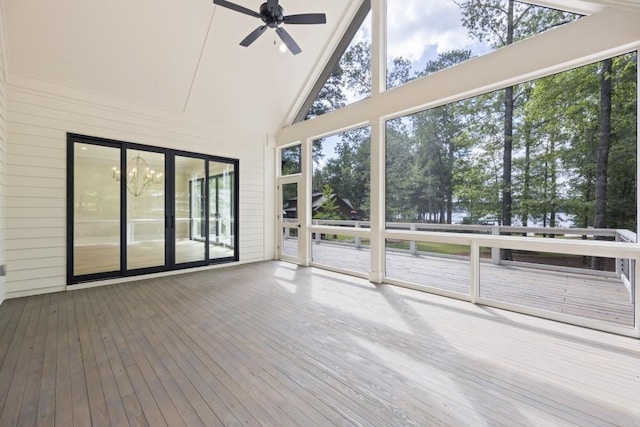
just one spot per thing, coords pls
(459, 164)
(347, 76)
(341, 196)
(290, 160)
(342, 175)
(425, 37)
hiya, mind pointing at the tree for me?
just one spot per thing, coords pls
(329, 208)
(501, 23)
(400, 160)
(602, 158)
(290, 161)
(621, 169)
(331, 95)
(436, 132)
(348, 171)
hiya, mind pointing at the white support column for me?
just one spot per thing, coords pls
(304, 203)
(376, 273)
(378, 46)
(378, 85)
(272, 211)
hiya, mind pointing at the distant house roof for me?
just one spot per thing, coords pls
(290, 206)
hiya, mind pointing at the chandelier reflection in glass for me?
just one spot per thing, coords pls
(139, 176)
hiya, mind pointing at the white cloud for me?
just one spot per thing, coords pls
(415, 26)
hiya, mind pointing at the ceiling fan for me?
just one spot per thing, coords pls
(272, 15)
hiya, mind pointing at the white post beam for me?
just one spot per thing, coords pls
(378, 85)
(271, 209)
(376, 274)
(304, 203)
(378, 46)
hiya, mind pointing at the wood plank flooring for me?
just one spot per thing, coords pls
(276, 344)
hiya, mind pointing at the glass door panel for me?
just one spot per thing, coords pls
(145, 222)
(190, 214)
(289, 220)
(96, 209)
(221, 210)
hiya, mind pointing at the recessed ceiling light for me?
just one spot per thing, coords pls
(84, 148)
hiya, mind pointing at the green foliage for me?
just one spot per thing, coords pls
(290, 160)
(329, 208)
(451, 158)
(348, 171)
(502, 22)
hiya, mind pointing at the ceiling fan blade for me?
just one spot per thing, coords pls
(236, 7)
(306, 18)
(253, 36)
(288, 40)
(272, 5)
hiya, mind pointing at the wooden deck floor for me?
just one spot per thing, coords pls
(583, 295)
(276, 344)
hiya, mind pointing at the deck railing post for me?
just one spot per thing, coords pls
(619, 261)
(412, 244)
(317, 235)
(632, 280)
(474, 271)
(495, 252)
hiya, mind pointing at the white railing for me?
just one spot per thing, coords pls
(624, 266)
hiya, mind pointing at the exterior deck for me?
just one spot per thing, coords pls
(584, 294)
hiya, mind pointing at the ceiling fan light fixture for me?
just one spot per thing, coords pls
(272, 15)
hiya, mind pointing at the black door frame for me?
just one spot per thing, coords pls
(169, 206)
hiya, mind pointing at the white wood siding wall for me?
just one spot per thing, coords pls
(39, 116)
(3, 139)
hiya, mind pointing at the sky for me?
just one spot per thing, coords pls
(419, 31)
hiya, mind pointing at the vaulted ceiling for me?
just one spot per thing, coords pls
(180, 56)
(183, 56)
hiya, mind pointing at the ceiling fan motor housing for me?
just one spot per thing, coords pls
(271, 18)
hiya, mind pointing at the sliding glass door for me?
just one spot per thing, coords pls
(190, 210)
(135, 209)
(145, 209)
(221, 210)
(96, 201)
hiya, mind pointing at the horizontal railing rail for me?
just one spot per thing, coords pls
(414, 232)
(625, 235)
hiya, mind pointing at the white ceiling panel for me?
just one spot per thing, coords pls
(181, 56)
(257, 84)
